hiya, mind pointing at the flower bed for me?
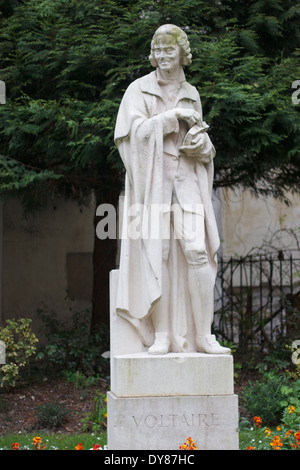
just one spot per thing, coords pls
(285, 436)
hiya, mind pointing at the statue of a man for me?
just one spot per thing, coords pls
(166, 282)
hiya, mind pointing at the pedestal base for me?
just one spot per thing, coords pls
(165, 423)
(173, 374)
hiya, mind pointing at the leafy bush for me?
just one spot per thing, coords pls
(95, 421)
(52, 414)
(80, 380)
(285, 436)
(71, 346)
(291, 395)
(265, 398)
(277, 360)
(19, 343)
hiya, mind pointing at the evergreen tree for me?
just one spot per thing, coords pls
(67, 63)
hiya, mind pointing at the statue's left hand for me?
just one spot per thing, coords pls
(196, 150)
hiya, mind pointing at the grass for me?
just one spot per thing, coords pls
(70, 441)
(61, 441)
(53, 441)
(245, 439)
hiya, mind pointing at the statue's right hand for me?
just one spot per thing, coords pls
(190, 116)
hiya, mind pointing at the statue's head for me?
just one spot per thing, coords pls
(176, 34)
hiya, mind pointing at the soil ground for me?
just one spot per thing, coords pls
(19, 406)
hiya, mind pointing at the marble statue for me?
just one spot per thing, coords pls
(167, 273)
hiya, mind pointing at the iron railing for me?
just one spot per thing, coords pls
(257, 300)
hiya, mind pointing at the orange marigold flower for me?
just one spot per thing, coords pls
(297, 437)
(288, 433)
(291, 409)
(268, 432)
(36, 440)
(250, 448)
(188, 445)
(37, 443)
(257, 420)
(79, 446)
(97, 447)
(276, 443)
(15, 446)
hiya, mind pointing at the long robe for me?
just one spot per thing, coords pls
(144, 124)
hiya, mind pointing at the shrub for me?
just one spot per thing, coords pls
(95, 420)
(19, 343)
(71, 346)
(265, 398)
(80, 380)
(285, 436)
(52, 414)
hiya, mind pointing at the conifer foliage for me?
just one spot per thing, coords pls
(66, 64)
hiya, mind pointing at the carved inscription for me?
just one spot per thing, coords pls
(176, 420)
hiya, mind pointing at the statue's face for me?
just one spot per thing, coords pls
(167, 52)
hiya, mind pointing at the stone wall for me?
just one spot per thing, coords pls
(45, 258)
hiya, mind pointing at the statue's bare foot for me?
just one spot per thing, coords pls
(161, 344)
(208, 344)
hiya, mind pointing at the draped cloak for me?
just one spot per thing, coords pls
(144, 124)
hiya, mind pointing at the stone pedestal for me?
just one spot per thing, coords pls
(164, 423)
(173, 374)
(157, 402)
